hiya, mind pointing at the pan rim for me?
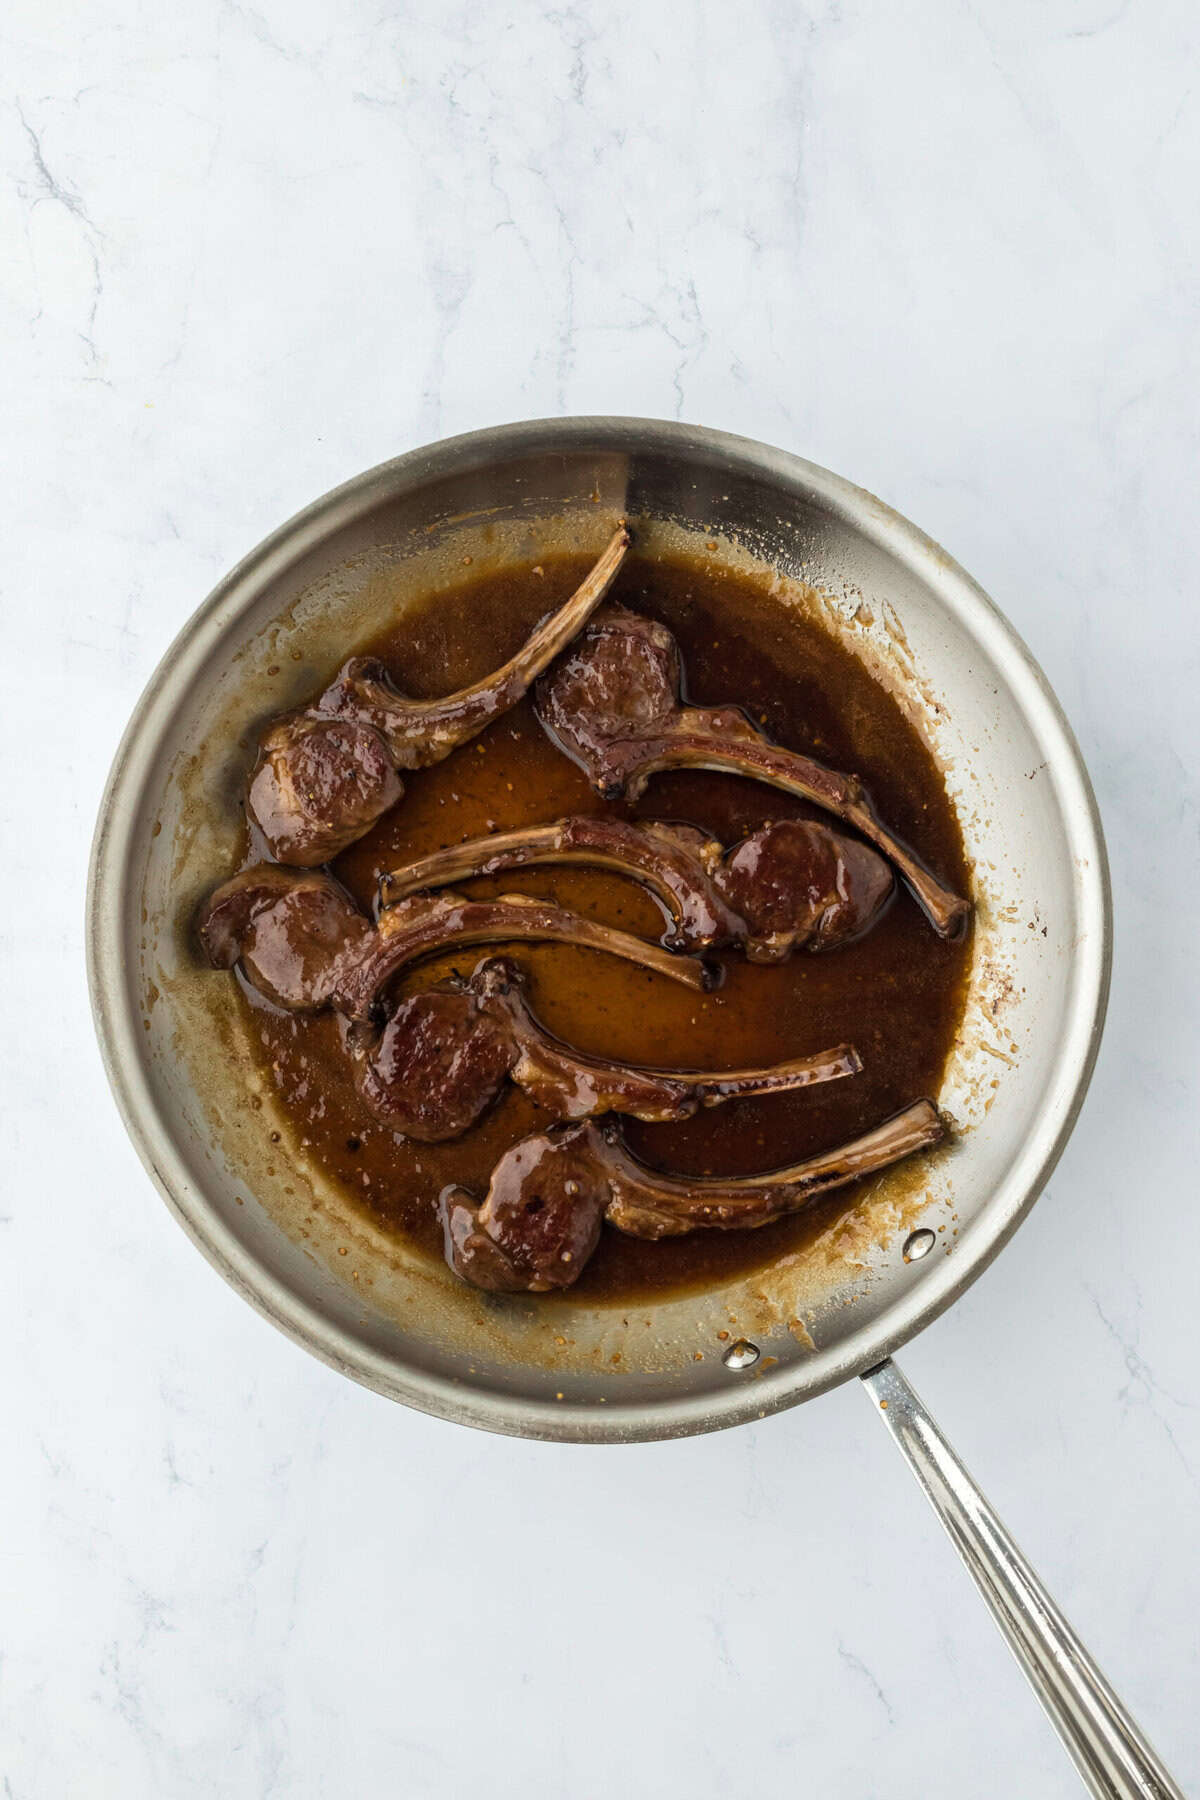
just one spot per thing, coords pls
(117, 1018)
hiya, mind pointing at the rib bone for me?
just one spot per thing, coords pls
(426, 924)
(649, 1205)
(791, 883)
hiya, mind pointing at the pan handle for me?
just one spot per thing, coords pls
(1110, 1753)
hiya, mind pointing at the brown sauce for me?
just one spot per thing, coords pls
(897, 994)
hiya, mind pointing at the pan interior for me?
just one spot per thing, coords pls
(268, 1217)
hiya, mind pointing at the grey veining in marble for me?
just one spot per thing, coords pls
(950, 250)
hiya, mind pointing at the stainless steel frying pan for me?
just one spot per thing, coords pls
(299, 1251)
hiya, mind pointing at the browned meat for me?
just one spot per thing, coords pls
(436, 1065)
(540, 1220)
(301, 940)
(326, 774)
(798, 884)
(790, 884)
(296, 934)
(614, 704)
(442, 1056)
(318, 785)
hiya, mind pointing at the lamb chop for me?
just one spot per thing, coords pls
(303, 943)
(549, 1194)
(792, 883)
(324, 775)
(297, 934)
(443, 1055)
(613, 703)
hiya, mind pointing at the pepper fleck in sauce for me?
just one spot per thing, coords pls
(897, 994)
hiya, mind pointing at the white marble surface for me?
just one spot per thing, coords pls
(246, 250)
